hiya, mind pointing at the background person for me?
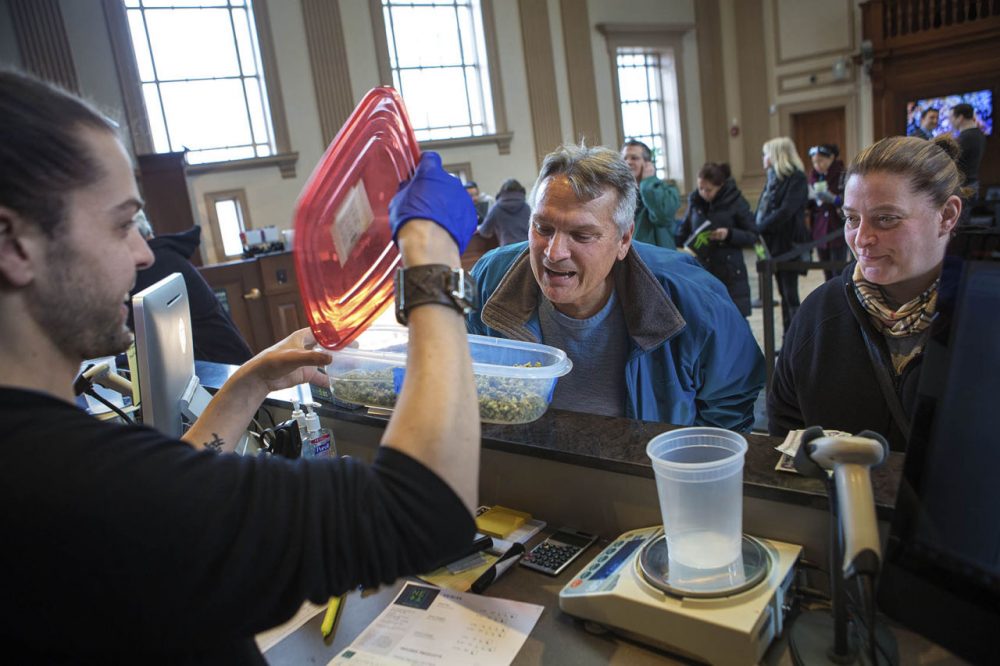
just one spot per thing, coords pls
(482, 202)
(972, 144)
(508, 218)
(122, 545)
(826, 194)
(658, 200)
(651, 334)
(851, 359)
(213, 332)
(781, 215)
(719, 201)
(929, 119)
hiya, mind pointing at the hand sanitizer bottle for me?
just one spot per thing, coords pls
(300, 418)
(319, 441)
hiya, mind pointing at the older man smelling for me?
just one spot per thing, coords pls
(651, 334)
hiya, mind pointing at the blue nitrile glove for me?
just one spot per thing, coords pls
(434, 194)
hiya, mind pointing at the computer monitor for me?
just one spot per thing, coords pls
(941, 576)
(170, 394)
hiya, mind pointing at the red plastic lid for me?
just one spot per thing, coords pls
(344, 254)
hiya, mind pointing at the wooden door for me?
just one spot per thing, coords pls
(237, 285)
(812, 128)
(281, 294)
(286, 313)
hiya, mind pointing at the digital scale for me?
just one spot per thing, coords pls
(626, 590)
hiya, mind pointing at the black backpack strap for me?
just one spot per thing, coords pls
(886, 385)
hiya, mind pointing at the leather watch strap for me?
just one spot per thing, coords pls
(432, 283)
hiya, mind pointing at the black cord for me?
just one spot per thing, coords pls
(270, 416)
(812, 593)
(110, 405)
(809, 564)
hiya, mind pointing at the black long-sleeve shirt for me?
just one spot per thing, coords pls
(121, 545)
(973, 144)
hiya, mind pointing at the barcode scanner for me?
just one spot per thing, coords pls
(855, 552)
(850, 458)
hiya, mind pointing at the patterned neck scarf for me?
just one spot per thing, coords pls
(910, 319)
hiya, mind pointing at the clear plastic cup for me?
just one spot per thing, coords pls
(699, 480)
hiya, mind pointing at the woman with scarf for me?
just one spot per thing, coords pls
(826, 194)
(851, 360)
(717, 226)
(781, 215)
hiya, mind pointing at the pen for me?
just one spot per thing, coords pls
(333, 610)
(479, 545)
(498, 568)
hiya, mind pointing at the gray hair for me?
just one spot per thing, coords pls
(591, 172)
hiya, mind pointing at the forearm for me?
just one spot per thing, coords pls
(436, 419)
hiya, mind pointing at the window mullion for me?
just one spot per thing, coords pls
(269, 137)
(392, 35)
(242, 75)
(156, 77)
(649, 61)
(465, 70)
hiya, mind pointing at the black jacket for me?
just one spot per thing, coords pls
(215, 335)
(824, 375)
(724, 259)
(783, 221)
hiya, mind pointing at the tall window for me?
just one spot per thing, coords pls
(437, 54)
(647, 87)
(201, 76)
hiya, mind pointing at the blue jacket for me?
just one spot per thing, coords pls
(692, 357)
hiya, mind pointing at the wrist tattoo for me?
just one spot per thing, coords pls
(216, 444)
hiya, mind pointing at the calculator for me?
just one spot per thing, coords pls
(557, 551)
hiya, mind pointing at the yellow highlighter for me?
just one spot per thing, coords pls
(333, 611)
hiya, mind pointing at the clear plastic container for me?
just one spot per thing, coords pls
(514, 379)
(699, 480)
(344, 255)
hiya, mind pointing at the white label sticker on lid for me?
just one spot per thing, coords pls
(353, 219)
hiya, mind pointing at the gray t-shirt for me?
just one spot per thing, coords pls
(598, 347)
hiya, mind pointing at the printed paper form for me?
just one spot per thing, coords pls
(427, 625)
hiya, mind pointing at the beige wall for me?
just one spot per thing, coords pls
(802, 40)
(797, 39)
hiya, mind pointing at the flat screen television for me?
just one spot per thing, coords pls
(170, 395)
(941, 576)
(981, 101)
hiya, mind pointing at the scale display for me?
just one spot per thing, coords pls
(617, 559)
(735, 628)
